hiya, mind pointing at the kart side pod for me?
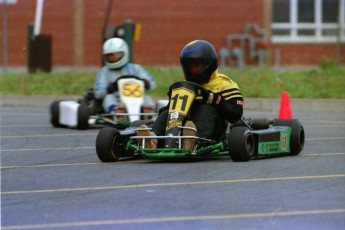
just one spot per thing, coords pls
(285, 137)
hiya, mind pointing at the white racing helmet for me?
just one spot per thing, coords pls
(115, 45)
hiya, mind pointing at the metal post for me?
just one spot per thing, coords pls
(38, 17)
(128, 27)
(337, 46)
(4, 36)
(104, 28)
(31, 63)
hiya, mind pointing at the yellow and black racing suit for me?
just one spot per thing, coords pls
(211, 119)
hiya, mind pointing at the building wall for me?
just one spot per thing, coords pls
(309, 54)
(166, 26)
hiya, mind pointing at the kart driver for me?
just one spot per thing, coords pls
(222, 103)
(116, 57)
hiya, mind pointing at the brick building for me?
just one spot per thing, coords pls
(295, 32)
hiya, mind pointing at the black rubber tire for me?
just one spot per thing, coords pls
(106, 144)
(55, 114)
(83, 117)
(297, 134)
(241, 144)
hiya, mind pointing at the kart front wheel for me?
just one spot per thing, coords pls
(83, 117)
(106, 144)
(241, 144)
(297, 134)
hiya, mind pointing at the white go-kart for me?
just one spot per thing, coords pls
(88, 112)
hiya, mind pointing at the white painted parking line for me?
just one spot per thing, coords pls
(175, 219)
(46, 149)
(323, 126)
(172, 184)
(23, 126)
(74, 164)
(324, 138)
(322, 154)
(49, 135)
(130, 161)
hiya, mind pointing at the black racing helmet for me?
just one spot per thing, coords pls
(199, 60)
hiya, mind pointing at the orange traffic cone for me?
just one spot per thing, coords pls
(285, 108)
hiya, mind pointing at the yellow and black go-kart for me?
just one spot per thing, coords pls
(244, 140)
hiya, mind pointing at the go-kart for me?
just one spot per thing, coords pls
(243, 140)
(88, 111)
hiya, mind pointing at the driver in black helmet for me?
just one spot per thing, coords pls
(222, 103)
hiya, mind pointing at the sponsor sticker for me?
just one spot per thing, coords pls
(174, 115)
(173, 123)
(239, 102)
(284, 142)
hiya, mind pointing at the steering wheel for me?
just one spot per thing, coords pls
(200, 92)
(113, 87)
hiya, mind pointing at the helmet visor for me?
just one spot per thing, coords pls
(114, 57)
(195, 67)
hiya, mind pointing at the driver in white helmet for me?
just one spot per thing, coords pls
(116, 58)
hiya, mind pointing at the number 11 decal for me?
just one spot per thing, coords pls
(184, 101)
(181, 100)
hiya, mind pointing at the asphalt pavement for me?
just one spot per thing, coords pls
(51, 178)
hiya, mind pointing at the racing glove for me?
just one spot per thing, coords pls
(211, 98)
(214, 99)
(112, 87)
(89, 94)
(146, 83)
(231, 110)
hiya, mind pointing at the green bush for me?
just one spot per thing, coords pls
(328, 64)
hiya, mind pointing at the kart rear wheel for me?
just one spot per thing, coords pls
(106, 144)
(297, 134)
(241, 144)
(55, 114)
(83, 117)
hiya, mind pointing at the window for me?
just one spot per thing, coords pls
(305, 11)
(308, 21)
(281, 11)
(329, 8)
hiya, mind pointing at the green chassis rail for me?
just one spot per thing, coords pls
(212, 150)
(268, 142)
(209, 151)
